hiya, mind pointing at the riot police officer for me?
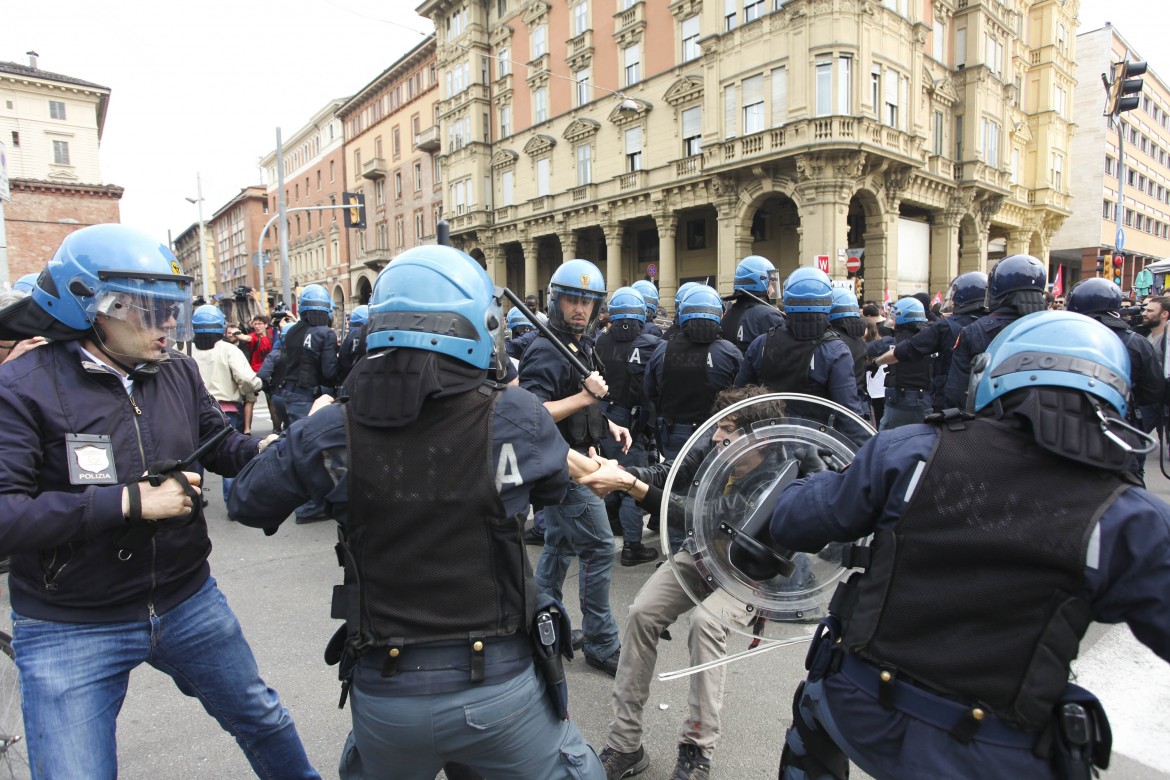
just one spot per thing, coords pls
(310, 353)
(681, 293)
(803, 354)
(625, 351)
(751, 311)
(352, 347)
(579, 525)
(968, 298)
(907, 384)
(687, 372)
(949, 655)
(1015, 288)
(845, 319)
(440, 625)
(649, 292)
(1101, 300)
(518, 326)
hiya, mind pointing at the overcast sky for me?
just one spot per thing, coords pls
(206, 92)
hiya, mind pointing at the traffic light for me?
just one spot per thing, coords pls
(1101, 261)
(859, 288)
(1124, 87)
(1118, 263)
(355, 215)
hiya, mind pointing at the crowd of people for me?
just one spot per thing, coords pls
(945, 655)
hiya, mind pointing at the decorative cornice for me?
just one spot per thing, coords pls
(580, 128)
(539, 144)
(620, 117)
(112, 191)
(504, 158)
(684, 90)
(536, 13)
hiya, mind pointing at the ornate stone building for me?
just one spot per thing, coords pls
(931, 134)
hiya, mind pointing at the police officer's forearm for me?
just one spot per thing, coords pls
(563, 407)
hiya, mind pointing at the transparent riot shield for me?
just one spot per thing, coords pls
(730, 502)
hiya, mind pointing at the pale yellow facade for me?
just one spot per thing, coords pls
(687, 135)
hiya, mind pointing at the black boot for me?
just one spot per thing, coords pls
(634, 553)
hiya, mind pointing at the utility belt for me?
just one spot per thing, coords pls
(906, 393)
(1077, 739)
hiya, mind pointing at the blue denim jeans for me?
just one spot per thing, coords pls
(506, 731)
(579, 526)
(904, 407)
(629, 513)
(73, 679)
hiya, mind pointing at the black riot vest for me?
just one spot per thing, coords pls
(428, 553)
(731, 319)
(912, 375)
(300, 365)
(586, 427)
(615, 356)
(975, 591)
(786, 361)
(685, 395)
(860, 361)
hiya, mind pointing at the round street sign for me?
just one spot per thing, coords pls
(853, 265)
(652, 270)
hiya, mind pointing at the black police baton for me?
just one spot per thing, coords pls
(141, 531)
(443, 237)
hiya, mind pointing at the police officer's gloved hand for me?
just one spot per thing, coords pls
(810, 462)
(872, 368)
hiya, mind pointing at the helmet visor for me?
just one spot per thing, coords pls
(160, 304)
(575, 311)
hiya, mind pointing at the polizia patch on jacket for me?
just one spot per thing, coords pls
(91, 459)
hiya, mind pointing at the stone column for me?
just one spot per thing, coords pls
(944, 249)
(667, 265)
(494, 262)
(973, 255)
(1018, 242)
(568, 239)
(613, 255)
(531, 286)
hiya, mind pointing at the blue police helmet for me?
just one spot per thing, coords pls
(683, 289)
(844, 305)
(359, 316)
(516, 319)
(968, 292)
(1052, 349)
(208, 319)
(314, 297)
(439, 299)
(753, 274)
(579, 278)
(701, 303)
(1013, 274)
(808, 290)
(111, 270)
(25, 284)
(907, 310)
(649, 294)
(1094, 296)
(627, 303)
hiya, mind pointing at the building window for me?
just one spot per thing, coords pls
(1015, 178)
(1061, 38)
(580, 17)
(753, 105)
(729, 130)
(584, 164)
(397, 144)
(420, 229)
(399, 234)
(357, 165)
(937, 134)
(729, 11)
(990, 142)
(1059, 102)
(417, 176)
(584, 88)
(959, 138)
(961, 46)
(380, 192)
(1107, 210)
(539, 41)
(752, 10)
(632, 64)
(692, 131)
(397, 184)
(505, 121)
(844, 86)
(937, 49)
(542, 184)
(15, 139)
(56, 109)
(540, 105)
(1056, 171)
(61, 152)
(504, 58)
(824, 86)
(892, 87)
(875, 90)
(634, 149)
(993, 55)
(779, 96)
(690, 39)
(506, 188)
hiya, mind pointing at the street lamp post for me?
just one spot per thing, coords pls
(198, 200)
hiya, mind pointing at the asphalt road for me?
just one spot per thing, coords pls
(280, 588)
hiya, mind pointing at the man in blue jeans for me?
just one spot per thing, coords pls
(579, 525)
(109, 571)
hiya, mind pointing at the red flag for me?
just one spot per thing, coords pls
(937, 300)
(887, 301)
(1058, 282)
